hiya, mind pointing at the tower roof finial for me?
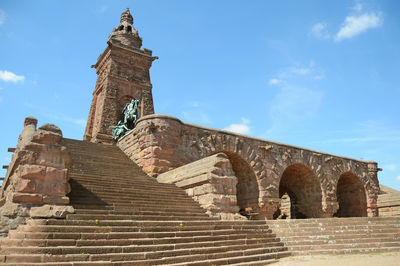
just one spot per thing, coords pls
(125, 33)
(127, 17)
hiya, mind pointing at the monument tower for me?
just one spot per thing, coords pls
(123, 75)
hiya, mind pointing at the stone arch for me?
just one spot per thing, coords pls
(351, 196)
(247, 188)
(304, 190)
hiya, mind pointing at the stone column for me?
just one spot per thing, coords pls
(372, 189)
(36, 183)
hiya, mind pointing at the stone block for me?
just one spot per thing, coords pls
(25, 185)
(27, 198)
(51, 211)
(57, 175)
(9, 209)
(52, 199)
(32, 171)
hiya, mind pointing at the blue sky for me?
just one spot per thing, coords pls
(323, 75)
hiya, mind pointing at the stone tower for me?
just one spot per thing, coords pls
(123, 74)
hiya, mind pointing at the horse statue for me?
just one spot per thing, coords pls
(131, 113)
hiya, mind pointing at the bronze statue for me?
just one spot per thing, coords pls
(131, 113)
(131, 116)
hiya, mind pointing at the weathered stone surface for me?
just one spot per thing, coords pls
(211, 182)
(37, 174)
(51, 211)
(27, 198)
(265, 170)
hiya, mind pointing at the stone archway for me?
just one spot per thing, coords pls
(303, 189)
(350, 196)
(247, 191)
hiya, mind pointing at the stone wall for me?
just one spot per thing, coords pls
(162, 143)
(36, 182)
(209, 181)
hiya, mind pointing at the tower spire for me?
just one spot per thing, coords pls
(125, 33)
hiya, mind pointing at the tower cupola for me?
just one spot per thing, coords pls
(125, 33)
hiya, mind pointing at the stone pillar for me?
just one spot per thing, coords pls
(36, 183)
(268, 207)
(372, 189)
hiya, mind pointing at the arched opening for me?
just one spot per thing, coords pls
(300, 188)
(247, 191)
(129, 29)
(350, 195)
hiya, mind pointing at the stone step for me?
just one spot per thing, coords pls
(336, 233)
(240, 258)
(133, 195)
(129, 189)
(123, 207)
(103, 234)
(324, 221)
(237, 223)
(229, 257)
(333, 240)
(150, 252)
(139, 212)
(133, 203)
(256, 259)
(316, 230)
(104, 227)
(346, 251)
(148, 217)
(129, 182)
(178, 242)
(357, 235)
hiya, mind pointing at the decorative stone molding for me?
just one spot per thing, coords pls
(37, 178)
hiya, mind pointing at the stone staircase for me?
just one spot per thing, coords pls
(339, 235)
(389, 201)
(124, 217)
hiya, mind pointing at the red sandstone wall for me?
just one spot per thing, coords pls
(162, 143)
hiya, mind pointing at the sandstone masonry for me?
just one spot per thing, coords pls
(265, 170)
(36, 183)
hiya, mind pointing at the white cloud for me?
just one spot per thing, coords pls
(354, 25)
(2, 17)
(320, 31)
(298, 71)
(398, 178)
(9, 76)
(242, 128)
(274, 81)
